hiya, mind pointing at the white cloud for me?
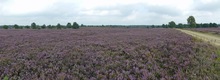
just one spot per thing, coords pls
(101, 12)
(107, 11)
(20, 7)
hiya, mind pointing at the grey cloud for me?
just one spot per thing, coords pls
(3, 1)
(1, 6)
(211, 6)
(164, 10)
(145, 14)
(144, 8)
(58, 13)
(140, 13)
(66, 12)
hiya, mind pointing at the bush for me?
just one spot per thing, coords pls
(33, 26)
(5, 27)
(75, 25)
(27, 27)
(59, 26)
(16, 26)
(43, 26)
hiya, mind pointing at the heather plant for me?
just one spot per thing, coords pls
(207, 30)
(105, 53)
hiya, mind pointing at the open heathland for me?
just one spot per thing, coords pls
(215, 40)
(105, 53)
(207, 30)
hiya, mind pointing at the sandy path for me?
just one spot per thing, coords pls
(206, 37)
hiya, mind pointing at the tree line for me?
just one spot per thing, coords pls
(191, 23)
(33, 25)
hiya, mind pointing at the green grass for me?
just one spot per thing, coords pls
(209, 33)
(216, 48)
(218, 54)
(6, 78)
(213, 39)
(218, 61)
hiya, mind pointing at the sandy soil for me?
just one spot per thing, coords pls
(206, 37)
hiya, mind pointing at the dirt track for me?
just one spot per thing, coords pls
(206, 37)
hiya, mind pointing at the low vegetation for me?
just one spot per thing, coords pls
(207, 30)
(105, 53)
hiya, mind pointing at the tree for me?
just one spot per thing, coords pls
(198, 25)
(152, 26)
(49, 26)
(33, 25)
(191, 22)
(53, 26)
(68, 25)
(16, 26)
(163, 26)
(21, 27)
(180, 25)
(205, 25)
(43, 26)
(82, 25)
(172, 24)
(75, 25)
(5, 27)
(27, 27)
(215, 25)
(58, 26)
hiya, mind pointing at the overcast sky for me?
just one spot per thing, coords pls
(128, 12)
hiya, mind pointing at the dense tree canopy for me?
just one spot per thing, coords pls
(16, 26)
(75, 25)
(5, 27)
(59, 26)
(43, 26)
(191, 22)
(180, 25)
(33, 25)
(172, 24)
(68, 25)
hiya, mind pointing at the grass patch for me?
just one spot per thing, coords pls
(209, 33)
(215, 56)
(6, 78)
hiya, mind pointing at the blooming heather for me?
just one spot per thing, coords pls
(210, 30)
(104, 53)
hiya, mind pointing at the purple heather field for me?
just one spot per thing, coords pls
(104, 54)
(208, 30)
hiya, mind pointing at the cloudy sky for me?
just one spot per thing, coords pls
(120, 12)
